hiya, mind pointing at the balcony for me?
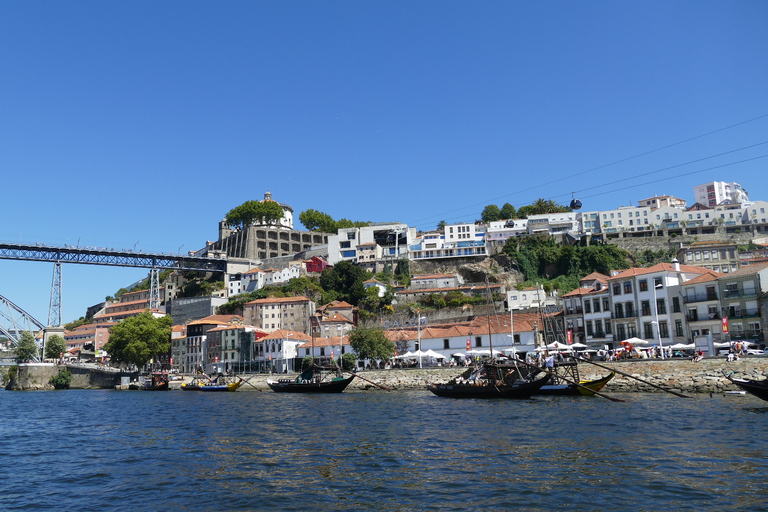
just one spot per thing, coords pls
(700, 297)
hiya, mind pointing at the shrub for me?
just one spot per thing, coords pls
(62, 380)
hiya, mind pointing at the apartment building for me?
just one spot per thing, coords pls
(701, 297)
(742, 301)
(286, 313)
(394, 239)
(715, 192)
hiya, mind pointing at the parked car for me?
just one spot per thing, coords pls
(755, 352)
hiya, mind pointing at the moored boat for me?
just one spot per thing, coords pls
(759, 388)
(313, 380)
(205, 383)
(482, 384)
(585, 387)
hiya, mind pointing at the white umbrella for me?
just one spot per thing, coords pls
(577, 345)
(459, 354)
(635, 341)
(432, 353)
(682, 346)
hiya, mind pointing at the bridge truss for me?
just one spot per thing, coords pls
(104, 256)
(14, 321)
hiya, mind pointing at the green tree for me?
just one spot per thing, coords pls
(491, 213)
(138, 339)
(250, 212)
(314, 220)
(26, 349)
(54, 347)
(441, 225)
(61, 380)
(508, 212)
(403, 272)
(348, 361)
(346, 280)
(371, 343)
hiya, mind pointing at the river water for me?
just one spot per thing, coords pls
(400, 451)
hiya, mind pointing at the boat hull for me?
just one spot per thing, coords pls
(587, 388)
(212, 388)
(517, 390)
(759, 388)
(291, 386)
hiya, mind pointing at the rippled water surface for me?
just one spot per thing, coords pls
(110, 450)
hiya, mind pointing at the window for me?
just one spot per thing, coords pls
(663, 330)
(589, 328)
(648, 330)
(679, 328)
(627, 286)
(675, 304)
(351, 235)
(620, 332)
(587, 308)
(478, 341)
(596, 305)
(645, 307)
(599, 328)
(606, 304)
(616, 289)
(658, 282)
(619, 311)
(661, 307)
(516, 339)
(446, 344)
(630, 309)
(643, 285)
(607, 326)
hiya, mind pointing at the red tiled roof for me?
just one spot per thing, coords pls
(216, 320)
(659, 267)
(278, 300)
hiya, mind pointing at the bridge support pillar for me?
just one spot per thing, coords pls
(54, 310)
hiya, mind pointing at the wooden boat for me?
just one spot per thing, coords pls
(480, 387)
(207, 384)
(313, 380)
(570, 389)
(759, 388)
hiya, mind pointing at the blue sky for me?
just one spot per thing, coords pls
(140, 124)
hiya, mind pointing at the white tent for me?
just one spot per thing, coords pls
(635, 341)
(432, 353)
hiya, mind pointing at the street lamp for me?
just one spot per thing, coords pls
(418, 325)
(657, 286)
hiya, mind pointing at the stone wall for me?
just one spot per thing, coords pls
(679, 375)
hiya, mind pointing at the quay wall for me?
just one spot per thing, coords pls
(681, 375)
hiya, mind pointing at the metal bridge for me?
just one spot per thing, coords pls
(104, 256)
(14, 320)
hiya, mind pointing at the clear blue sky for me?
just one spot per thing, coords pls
(142, 123)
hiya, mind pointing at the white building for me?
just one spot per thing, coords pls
(554, 223)
(498, 231)
(393, 238)
(625, 218)
(659, 201)
(455, 241)
(715, 192)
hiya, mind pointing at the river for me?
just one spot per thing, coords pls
(400, 451)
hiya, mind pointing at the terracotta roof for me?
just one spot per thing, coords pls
(338, 304)
(325, 342)
(709, 276)
(282, 334)
(659, 267)
(216, 320)
(582, 291)
(336, 318)
(747, 270)
(279, 300)
(597, 276)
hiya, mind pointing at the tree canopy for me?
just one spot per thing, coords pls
(26, 349)
(54, 347)
(314, 220)
(346, 280)
(492, 212)
(371, 343)
(544, 259)
(250, 212)
(138, 339)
